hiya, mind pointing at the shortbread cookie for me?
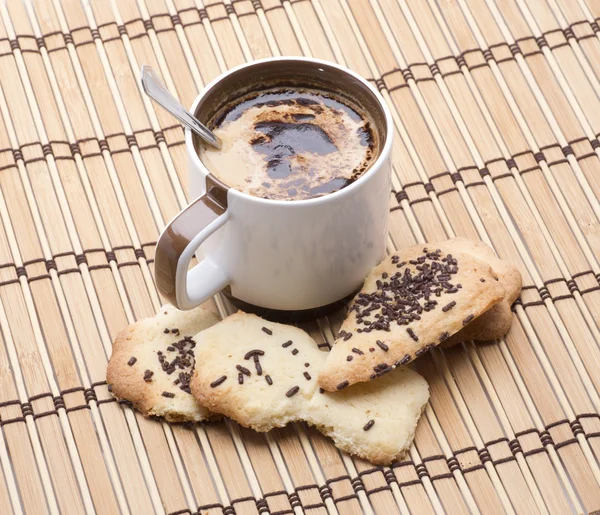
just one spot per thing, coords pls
(374, 420)
(259, 373)
(495, 322)
(152, 361)
(413, 301)
(263, 375)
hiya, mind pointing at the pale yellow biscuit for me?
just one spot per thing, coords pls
(259, 373)
(494, 323)
(414, 300)
(135, 372)
(263, 375)
(374, 420)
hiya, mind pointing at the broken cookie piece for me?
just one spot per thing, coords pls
(495, 322)
(152, 362)
(413, 301)
(263, 375)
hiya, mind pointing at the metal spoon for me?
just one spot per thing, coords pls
(157, 91)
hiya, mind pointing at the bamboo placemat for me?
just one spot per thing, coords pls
(496, 105)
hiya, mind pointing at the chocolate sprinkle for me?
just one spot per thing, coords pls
(295, 351)
(183, 362)
(148, 375)
(168, 394)
(255, 352)
(423, 350)
(347, 336)
(444, 336)
(404, 296)
(268, 380)
(243, 370)
(241, 378)
(286, 344)
(349, 358)
(412, 334)
(267, 330)
(382, 345)
(307, 364)
(468, 319)
(217, 382)
(482, 280)
(369, 425)
(292, 391)
(167, 331)
(321, 390)
(342, 385)
(404, 360)
(259, 370)
(307, 375)
(132, 361)
(449, 306)
(357, 351)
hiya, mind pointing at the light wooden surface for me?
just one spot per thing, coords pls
(496, 105)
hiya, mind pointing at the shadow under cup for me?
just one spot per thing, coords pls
(292, 74)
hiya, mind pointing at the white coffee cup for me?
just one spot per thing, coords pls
(286, 255)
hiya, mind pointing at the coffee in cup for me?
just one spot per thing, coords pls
(291, 143)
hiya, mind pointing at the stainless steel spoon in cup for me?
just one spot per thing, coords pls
(156, 90)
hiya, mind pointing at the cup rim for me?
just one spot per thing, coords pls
(385, 150)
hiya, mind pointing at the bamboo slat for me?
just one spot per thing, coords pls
(494, 106)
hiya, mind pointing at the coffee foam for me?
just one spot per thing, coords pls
(290, 144)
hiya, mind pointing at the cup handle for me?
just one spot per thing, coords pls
(184, 288)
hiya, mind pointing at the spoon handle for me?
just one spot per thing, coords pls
(157, 91)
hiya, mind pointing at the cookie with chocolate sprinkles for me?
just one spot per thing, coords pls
(374, 420)
(270, 382)
(225, 380)
(413, 301)
(152, 361)
(495, 322)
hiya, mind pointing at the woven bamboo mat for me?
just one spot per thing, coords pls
(496, 105)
